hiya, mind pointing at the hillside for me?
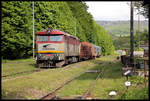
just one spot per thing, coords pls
(117, 28)
(17, 27)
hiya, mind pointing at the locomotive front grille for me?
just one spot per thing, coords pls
(50, 56)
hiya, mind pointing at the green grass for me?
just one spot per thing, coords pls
(113, 80)
(41, 83)
(111, 75)
(17, 60)
(78, 86)
(15, 66)
(35, 85)
(137, 93)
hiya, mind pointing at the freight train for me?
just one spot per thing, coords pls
(54, 48)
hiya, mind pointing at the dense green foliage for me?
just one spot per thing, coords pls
(142, 7)
(16, 29)
(65, 16)
(141, 38)
(124, 41)
(83, 20)
(104, 40)
(55, 15)
(136, 93)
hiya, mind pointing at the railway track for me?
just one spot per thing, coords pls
(4, 76)
(33, 71)
(86, 95)
(52, 95)
(18, 62)
(38, 70)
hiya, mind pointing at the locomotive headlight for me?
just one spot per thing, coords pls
(39, 55)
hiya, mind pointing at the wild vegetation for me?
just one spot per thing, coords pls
(142, 7)
(124, 41)
(10, 67)
(65, 16)
(119, 31)
(17, 43)
(122, 28)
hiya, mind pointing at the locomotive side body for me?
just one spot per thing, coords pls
(72, 48)
(86, 51)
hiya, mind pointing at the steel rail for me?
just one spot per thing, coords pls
(51, 95)
(86, 94)
(22, 72)
(65, 67)
(18, 62)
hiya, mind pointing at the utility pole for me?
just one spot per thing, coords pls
(75, 25)
(131, 36)
(33, 26)
(139, 28)
(95, 38)
(138, 20)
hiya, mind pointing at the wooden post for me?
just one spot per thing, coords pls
(145, 73)
(131, 36)
(33, 28)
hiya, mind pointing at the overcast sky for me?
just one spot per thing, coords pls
(111, 10)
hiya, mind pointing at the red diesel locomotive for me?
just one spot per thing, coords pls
(55, 48)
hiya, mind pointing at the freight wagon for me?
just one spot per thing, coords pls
(86, 51)
(97, 51)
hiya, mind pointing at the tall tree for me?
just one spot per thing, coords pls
(142, 7)
(70, 17)
(16, 29)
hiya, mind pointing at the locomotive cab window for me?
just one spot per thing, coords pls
(42, 38)
(56, 38)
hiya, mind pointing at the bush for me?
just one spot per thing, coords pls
(136, 94)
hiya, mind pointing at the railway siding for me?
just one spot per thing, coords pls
(11, 68)
(42, 82)
(38, 84)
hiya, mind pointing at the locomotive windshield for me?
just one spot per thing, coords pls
(42, 38)
(56, 38)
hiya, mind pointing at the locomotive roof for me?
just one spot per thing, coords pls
(86, 43)
(54, 32)
(96, 46)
